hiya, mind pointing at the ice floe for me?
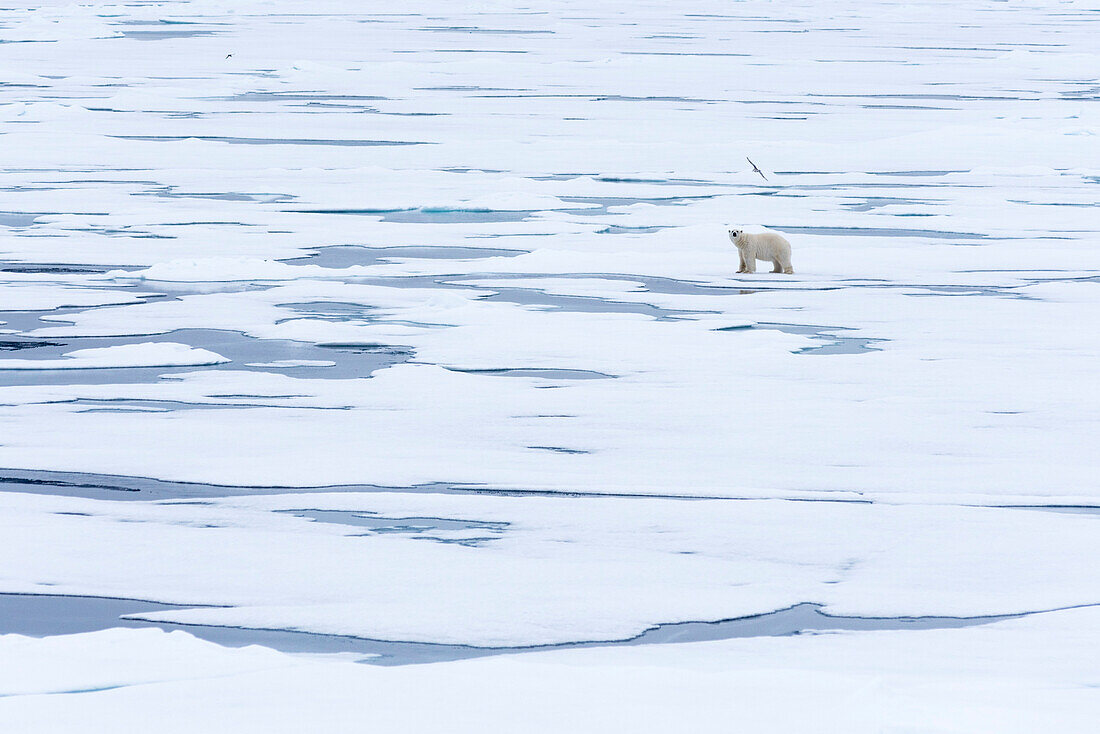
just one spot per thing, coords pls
(149, 354)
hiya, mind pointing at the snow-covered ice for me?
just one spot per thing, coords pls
(150, 354)
(421, 325)
(1014, 676)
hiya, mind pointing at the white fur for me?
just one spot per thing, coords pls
(770, 246)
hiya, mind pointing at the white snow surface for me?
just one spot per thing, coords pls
(1016, 676)
(467, 264)
(560, 569)
(146, 354)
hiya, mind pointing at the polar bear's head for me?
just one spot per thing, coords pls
(734, 233)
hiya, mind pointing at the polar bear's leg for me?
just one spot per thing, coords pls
(776, 266)
(783, 263)
(750, 263)
(742, 268)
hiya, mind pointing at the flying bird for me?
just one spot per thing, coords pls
(757, 170)
(228, 55)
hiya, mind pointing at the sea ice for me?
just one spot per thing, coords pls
(148, 354)
(469, 263)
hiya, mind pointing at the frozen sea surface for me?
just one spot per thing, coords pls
(39, 615)
(420, 327)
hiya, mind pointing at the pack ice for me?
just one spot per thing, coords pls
(390, 366)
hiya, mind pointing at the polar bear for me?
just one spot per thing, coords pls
(762, 246)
